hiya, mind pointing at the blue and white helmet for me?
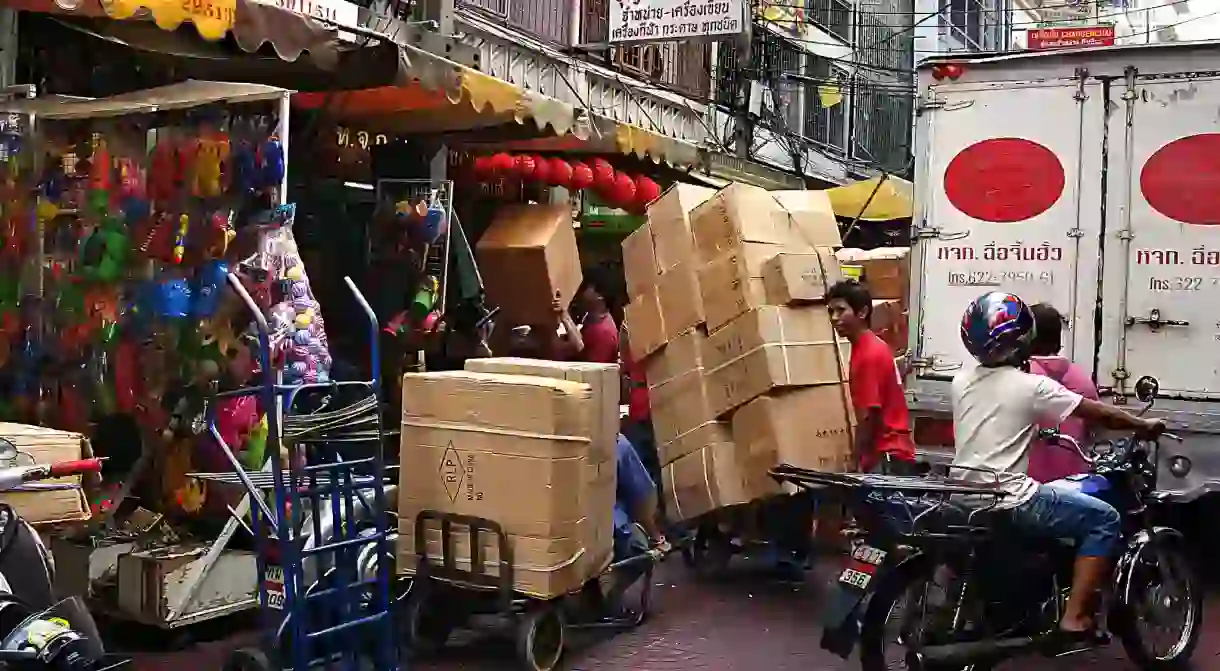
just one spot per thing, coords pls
(998, 329)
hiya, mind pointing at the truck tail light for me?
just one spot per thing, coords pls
(947, 71)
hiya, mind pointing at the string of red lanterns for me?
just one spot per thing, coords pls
(619, 189)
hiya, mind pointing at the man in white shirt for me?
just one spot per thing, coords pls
(997, 407)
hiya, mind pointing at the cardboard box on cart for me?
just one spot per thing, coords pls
(604, 381)
(738, 214)
(639, 261)
(527, 257)
(718, 475)
(669, 221)
(514, 449)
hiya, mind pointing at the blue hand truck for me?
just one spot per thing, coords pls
(324, 547)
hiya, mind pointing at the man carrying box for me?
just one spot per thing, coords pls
(883, 427)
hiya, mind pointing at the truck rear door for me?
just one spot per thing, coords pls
(1162, 306)
(1010, 200)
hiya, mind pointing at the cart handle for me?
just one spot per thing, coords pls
(65, 468)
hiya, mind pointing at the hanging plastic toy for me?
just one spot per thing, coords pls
(210, 153)
(103, 254)
(207, 294)
(271, 163)
(161, 175)
(184, 227)
(172, 299)
(99, 178)
(244, 166)
(434, 222)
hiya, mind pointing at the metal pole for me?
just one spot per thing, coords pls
(744, 43)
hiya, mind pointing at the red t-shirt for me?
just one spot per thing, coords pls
(637, 400)
(877, 384)
(601, 340)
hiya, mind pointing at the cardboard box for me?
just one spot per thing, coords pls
(679, 405)
(669, 219)
(732, 284)
(645, 324)
(527, 258)
(604, 380)
(809, 427)
(889, 322)
(42, 504)
(800, 278)
(680, 355)
(513, 449)
(639, 261)
(694, 440)
(715, 476)
(739, 213)
(885, 271)
(681, 305)
(772, 347)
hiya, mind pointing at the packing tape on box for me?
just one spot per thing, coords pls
(458, 426)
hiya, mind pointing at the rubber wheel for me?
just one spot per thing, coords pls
(426, 632)
(248, 659)
(708, 553)
(540, 638)
(881, 604)
(1126, 618)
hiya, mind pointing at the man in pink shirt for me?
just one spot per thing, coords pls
(1048, 463)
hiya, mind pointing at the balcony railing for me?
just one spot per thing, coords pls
(833, 15)
(545, 19)
(684, 67)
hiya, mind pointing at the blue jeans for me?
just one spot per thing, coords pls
(1055, 512)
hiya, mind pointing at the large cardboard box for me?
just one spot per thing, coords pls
(807, 427)
(733, 284)
(680, 356)
(693, 441)
(716, 476)
(669, 219)
(513, 449)
(886, 270)
(681, 305)
(679, 405)
(639, 261)
(739, 213)
(772, 347)
(604, 380)
(801, 277)
(645, 324)
(527, 258)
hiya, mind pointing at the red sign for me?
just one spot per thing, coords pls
(1067, 38)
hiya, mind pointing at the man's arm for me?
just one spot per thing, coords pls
(1114, 418)
(868, 428)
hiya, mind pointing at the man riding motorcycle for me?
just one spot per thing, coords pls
(997, 407)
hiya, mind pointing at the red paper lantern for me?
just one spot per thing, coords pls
(621, 192)
(525, 166)
(483, 168)
(603, 175)
(582, 176)
(646, 191)
(503, 164)
(560, 173)
(542, 170)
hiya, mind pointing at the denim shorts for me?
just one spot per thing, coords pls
(1056, 512)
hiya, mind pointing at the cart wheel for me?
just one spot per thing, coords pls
(248, 659)
(709, 553)
(427, 632)
(540, 638)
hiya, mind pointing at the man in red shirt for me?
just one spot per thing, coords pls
(883, 427)
(597, 340)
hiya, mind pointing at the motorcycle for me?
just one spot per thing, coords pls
(38, 633)
(965, 591)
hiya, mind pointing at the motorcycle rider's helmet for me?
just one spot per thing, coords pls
(998, 329)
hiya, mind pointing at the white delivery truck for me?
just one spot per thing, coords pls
(1089, 179)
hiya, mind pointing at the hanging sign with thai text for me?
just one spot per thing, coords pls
(663, 20)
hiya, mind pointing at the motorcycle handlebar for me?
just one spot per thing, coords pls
(65, 468)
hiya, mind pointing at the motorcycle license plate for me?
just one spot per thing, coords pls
(273, 584)
(854, 583)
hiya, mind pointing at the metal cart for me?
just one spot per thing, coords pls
(337, 615)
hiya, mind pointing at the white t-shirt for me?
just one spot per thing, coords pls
(996, 413)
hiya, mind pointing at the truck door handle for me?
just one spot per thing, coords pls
(1154, 321)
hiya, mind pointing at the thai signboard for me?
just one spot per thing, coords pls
(1070, 38)
(663, 20)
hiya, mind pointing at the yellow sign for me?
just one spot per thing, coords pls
(212, 18)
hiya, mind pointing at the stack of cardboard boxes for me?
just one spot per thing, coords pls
(744, 369)
(885, 271)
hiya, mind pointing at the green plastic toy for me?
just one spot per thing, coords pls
(103, 255)
(256, 446)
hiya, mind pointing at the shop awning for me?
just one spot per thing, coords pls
(877, 199)
(183, 95)
(436, 95)
(252, 23)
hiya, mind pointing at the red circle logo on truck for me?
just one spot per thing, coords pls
(1181, 180)
(1004, 180)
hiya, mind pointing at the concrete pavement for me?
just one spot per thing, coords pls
(741, 622)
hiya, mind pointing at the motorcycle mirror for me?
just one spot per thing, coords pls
(1147, 388)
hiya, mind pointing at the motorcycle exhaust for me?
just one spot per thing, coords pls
(974, 652)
